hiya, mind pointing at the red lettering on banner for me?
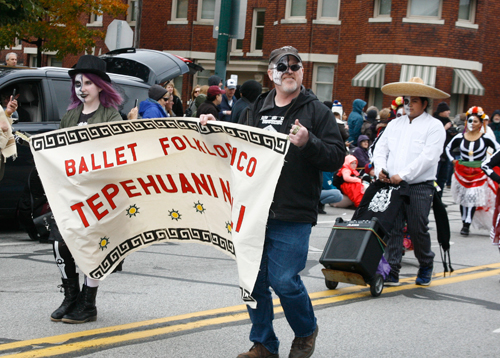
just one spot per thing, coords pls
(83, 166)
(164, 145)
(78, 208)
(105, 158)
(252, 164)
(70, 167)
(94, 167)
(132, 146)
(209, 152)
(220, 150)
(128, 189)
(109, 192)
(238, 166)
(226, 190)
(201, 183)
(173, 187)
(198, 145)
(188, 142)
(120, 155)
(145, 186)
(95, 207)
(178, 143)
(214, 192)
(240, 218)
(185, 186)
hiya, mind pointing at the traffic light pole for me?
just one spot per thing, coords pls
(223, 39)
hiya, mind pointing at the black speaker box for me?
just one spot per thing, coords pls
(354, 249)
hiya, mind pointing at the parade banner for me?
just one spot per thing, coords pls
(117, 187)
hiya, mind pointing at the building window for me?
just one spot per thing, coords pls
(328, 9)
(323, 81)
(425, 8)
(202, 77)
(54, 61)
(180, 9)
(259, 16)
(237, 46)
(206, 9)
(296, 8)
(383, 8)
(95, 20)
(467, 10)
(132, 12)
(32, 61)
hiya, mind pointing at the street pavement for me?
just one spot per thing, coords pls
(182, 300)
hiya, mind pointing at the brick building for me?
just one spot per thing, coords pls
(350, 48)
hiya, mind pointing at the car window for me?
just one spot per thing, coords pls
(62, 89)
(130, 94)
(28, 95)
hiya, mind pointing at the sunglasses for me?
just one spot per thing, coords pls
(283, 68)
(197, 91)
(165, 99)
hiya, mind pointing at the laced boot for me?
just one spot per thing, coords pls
(85, 309)
(258, 351)
(303, 347)
(71, 289)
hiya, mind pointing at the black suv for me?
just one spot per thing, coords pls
(44, 99)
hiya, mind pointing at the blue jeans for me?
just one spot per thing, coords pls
(330, 196)
(284, 256)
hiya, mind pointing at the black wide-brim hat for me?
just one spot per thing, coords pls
(90, 64)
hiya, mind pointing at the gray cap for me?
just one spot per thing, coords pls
(277, 54)
(156, 92)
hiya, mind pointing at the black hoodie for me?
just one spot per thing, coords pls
(299, 186)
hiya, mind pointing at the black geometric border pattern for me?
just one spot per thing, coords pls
(160, 235)
(83, 133)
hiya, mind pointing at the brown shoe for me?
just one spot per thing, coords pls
(258, 351)
(303, 347)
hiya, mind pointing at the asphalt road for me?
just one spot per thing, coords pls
(182, 300)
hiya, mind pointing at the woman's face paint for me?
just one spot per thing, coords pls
(400, 112)
(406, 105)
(473, 123)
(85, 89)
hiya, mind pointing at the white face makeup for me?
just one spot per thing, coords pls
(278, 74)
(86, 90)
(406, 105)
(400, 112)
(470, 123)
(79, 86)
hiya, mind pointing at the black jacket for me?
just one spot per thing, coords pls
(207, 107)
(299, 186)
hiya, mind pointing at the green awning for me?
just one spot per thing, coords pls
(464, 82)
(372, 75)
(426, 73)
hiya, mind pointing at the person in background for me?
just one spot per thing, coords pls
(355, 120)
(249, 90)
(361, 152)
(338, 113)
(7, 141)
(329, 193)
(154, 106)
(169, 104)
(495, 124)
(214, 98)
(177, 109)
(370, 123)
(487, 129)
(202, 97)
(227, 102)
(442, 113)
(11, 59)
(351, 182)
(93, 100)
(215, 80)
(191, 109)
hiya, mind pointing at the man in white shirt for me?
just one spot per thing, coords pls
(409, 150)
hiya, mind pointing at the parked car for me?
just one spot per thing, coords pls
(44, 99)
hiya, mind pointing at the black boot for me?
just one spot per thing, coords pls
(85, 309)
(321, 208)
(71, 289)
(465, 230)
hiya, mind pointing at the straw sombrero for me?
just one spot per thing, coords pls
(414, 87)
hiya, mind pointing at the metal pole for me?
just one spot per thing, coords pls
(221, 53)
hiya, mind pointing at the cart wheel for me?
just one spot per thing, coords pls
(332, 285)
(377, 285)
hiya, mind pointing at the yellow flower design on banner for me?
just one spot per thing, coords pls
(103, 243)
(175, 215)
(132, 210)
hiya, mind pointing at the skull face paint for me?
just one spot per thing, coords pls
(400, 112)
(470, 123)
(407, 100)
(278, 74)
(79, 87)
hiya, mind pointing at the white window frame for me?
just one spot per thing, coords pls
(135, 4)
(96, 20)
(289, 19)
(235, 51)
(377, 16)
(201, 21)
(436, 20)
(49, 61)
(324, 19)
(472, 17)
(253, 50)
(174, 18)
(315, 77)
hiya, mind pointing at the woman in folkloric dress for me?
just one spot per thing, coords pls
(470, 186)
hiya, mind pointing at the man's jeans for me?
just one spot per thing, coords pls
(330, 196)
(284, 256)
